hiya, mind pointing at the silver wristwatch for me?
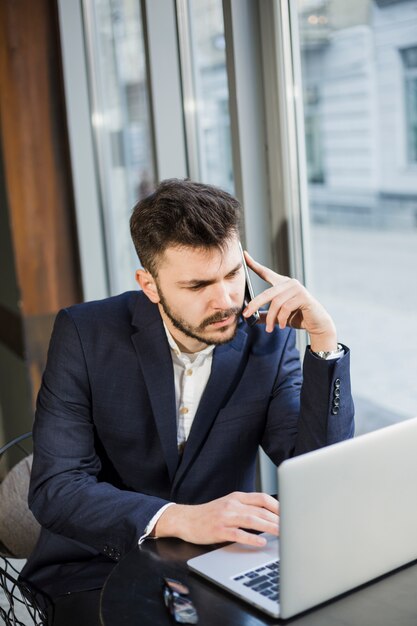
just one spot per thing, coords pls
(331, 354)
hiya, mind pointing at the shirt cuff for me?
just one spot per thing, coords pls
(152, 523)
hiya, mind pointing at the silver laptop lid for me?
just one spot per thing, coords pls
(365, 491)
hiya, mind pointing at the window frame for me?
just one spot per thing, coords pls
(94, 268)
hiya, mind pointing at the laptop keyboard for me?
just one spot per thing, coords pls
(263, 580)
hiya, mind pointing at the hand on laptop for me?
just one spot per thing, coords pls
(290, 304)
(222, 520)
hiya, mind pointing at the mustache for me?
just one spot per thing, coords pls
(220, 316)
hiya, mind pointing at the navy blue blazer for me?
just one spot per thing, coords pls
(105, 444)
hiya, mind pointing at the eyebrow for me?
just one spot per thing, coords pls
(203, 283)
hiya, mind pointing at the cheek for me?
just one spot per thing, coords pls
(238, 291)
(190, 307)
(198, 308)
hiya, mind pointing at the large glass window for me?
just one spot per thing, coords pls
(206, 96)
(121, 124)
(362, 190)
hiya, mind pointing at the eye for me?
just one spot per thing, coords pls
(196, 287)
(233, 274)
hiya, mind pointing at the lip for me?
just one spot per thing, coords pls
(224, 322)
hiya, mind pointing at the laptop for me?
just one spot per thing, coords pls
(348, 515)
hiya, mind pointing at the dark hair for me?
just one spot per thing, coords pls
(182, 213)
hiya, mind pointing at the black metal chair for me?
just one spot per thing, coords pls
(23, 606)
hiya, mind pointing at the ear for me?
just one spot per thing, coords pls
(147, 283)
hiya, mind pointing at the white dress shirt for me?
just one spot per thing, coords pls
(191, 374)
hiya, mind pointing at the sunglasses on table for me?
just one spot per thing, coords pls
(178, 602)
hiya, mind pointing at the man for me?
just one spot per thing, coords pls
(153, 403)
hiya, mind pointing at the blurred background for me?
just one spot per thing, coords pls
(305, 110)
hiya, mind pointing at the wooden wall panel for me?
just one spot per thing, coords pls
(37, 171)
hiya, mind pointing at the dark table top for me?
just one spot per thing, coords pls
(132, 595)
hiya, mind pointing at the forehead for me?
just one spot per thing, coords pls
(189, 262)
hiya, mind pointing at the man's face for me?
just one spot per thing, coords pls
(201, 293)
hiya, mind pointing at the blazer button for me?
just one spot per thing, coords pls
(337, 392)
(336, 402)
(335, 410)
(337, 383)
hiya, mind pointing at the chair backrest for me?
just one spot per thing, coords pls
(19, 605)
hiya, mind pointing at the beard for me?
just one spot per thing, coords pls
(197, 332)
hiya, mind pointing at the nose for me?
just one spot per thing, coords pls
(221, 296)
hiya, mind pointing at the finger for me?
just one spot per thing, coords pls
(265, 297)
(289, 304)
(288, 312)
(253, 522)
(241, 536)
(261, 270)
(277, 293)
(264, 514)
(259, 499)
(278, 307)
(253, 517)
(258, 301)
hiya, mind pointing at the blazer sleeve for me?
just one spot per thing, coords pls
(65, 494)
(309, 410)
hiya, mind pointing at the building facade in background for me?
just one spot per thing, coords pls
(360, 98)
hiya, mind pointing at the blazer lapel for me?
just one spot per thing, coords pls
(154, 355)
(227, 361)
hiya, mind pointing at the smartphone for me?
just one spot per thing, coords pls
(249, 293)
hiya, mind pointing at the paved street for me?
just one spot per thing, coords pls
(368, 281)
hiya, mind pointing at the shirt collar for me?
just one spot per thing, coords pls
(200, 355)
